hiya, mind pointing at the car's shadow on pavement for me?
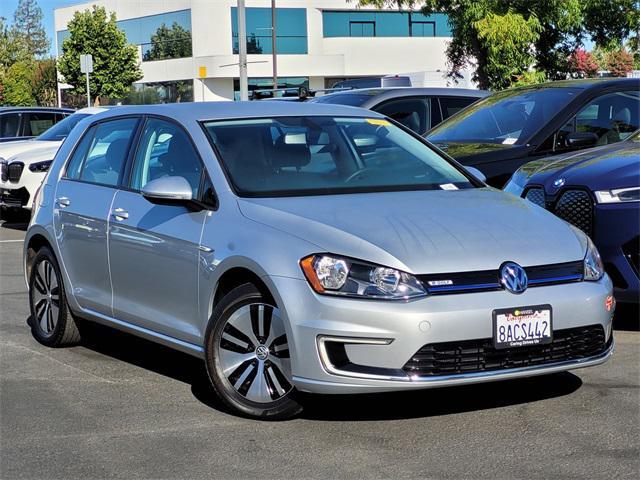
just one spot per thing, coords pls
(381, 406)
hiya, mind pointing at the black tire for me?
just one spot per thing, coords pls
(58, 329)
(285, 404)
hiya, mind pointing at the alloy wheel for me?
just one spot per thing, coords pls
(46, 297)
(254, 353)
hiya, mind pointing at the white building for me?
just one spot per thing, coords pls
(318, 43)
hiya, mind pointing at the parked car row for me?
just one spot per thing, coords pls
(313, 246)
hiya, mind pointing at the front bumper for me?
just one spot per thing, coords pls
(383, 336)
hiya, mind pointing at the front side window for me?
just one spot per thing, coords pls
(164, 150)
(289, 156)
(413, 113)
(510, 117)
(452, 105)
(105, 156)
(612, 117)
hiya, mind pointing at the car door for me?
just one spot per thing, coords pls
(82, 204)
(611, 117)
(153, 248)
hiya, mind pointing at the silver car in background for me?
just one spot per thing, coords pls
(301, 247)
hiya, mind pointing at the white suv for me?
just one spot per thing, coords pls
(24, 163)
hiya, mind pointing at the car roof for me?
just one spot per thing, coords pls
(35, 109)
(201, 111)
(394, 92)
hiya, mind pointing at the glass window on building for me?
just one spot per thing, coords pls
(267, 83)
(384, 24)
(291, 30)
(160, 37)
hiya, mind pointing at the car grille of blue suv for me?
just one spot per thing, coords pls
(573, 205)
(471, 356)
(488, 280)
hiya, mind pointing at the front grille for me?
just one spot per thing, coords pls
(536, 195)
(15, 171)
(4, 172)
(574, 206)
(488, 280)
(471, 356)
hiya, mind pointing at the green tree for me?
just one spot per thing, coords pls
(560, 29)
(169, 42)
(507, 40)
(44, 86)
(17, 84)
(9, 45)
(115, 62)
(28, 28)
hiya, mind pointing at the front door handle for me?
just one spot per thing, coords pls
(63, 202)
(120, 214)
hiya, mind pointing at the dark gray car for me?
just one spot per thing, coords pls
(419, 109)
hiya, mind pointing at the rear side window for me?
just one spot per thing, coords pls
(451, 105)
(9, 125)
(39, 122)
(413, 113)
(101, 155)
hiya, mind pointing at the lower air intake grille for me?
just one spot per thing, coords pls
(472, 356)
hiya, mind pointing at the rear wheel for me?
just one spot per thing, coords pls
(51, 321)
(247, 355)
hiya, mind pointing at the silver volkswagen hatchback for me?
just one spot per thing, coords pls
(297, 247)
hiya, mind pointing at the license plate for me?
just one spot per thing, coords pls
(522, 326)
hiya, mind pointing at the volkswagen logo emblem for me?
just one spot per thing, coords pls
(513, 277)
(558, 182)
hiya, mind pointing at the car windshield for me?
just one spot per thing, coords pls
(61, 130)
(290, 156)
(511, 117)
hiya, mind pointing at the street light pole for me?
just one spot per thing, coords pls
(274, 55)
(242, 51)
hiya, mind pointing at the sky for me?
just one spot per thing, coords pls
(8, 7)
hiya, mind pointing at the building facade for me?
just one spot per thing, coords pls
(189, 48)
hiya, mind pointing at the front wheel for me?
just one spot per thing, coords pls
(247, 356)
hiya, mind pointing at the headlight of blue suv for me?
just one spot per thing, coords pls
(332, 275)
(593, 267)
(618, 195)
(40, 166)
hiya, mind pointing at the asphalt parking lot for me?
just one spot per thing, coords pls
(120, 407)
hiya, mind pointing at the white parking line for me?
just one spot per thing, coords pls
(11, 241)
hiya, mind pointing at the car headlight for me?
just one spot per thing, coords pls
(618, 195)
(333, 275)
(593, 266)
(40, 166)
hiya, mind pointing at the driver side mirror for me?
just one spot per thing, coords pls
(581, 139)
(169, 191)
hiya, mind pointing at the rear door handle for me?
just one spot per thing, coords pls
(63, 202)
(120, 214)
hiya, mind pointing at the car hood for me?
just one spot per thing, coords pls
(426, 231)
(40, 154)
(10, 149)
(600, 168)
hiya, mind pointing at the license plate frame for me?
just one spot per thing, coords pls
(529, 320)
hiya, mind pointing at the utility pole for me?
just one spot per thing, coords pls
(274, 55)
(242, 51)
